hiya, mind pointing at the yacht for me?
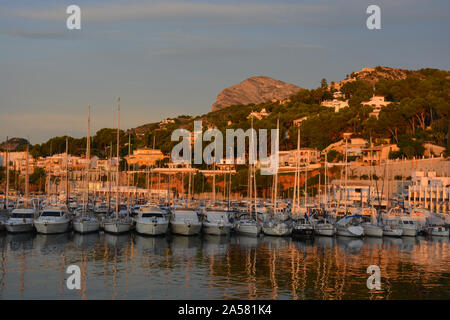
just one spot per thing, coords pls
(391, 226)
(302, 228)
(248, 226)
(436, 226)
(151, 220)
(369, 222)
(216, 222)
(185, 222)
(277, 227)
(420, 217)
(54, 219)
(350, 226)
(408, 226)
(437, 230)
(86, 223)
(22, 218)
(323, 227)
(117, 224)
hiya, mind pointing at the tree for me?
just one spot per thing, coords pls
(391, 119)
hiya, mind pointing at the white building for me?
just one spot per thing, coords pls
(429, 191)
(377, 103)
(303, 156)
(18, 161)
(258, 115)
(337, 105)
(354, 146)
(298, 122)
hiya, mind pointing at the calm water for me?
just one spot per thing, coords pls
(135, 267)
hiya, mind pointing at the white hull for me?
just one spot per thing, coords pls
(277, 231)
(437, 233)
(51, 227)
(186, 229)
(248, 230)
(352, 231)
(373, 231)
(19, 227)
(117, 227)
(216, 229)
(327, 232)
(393, 232)
(86, 226)
(409, 232)
(152, 229)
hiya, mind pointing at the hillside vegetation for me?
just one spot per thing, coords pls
(419, 113)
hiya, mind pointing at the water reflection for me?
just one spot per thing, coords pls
(209, 267)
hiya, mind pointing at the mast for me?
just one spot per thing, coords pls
(7, 173)
(27, 186)
(254, 173)
(67, 171)
(276, 175)
(118, 159)
(346, 170)
(306, 183)
(214, 182)
(128, 174)
(109, 178)
(88, 163)
(326, 182)
(151, 173)
(296, 173)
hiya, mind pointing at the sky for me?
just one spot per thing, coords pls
(166, 58)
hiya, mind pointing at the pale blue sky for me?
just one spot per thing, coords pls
(165, 58)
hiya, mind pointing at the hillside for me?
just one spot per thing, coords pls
(419, 113)
(14, 144)
(373, 75)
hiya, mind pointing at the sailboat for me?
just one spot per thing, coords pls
(216, 220)
(350, 226)
(118, 224)
(369, 222)
(85, 222)
(22, 217)
(302, 226)
(391, 223)
(248, 223)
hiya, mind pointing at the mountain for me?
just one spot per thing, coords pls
(14, 144)
(254, 90)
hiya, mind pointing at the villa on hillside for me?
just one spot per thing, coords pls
(377, 103)
(258, 115)
(166, 122)
(433, 150)
(303, 156)
(18, 161)
(355, 146)
(298, 122)
(145, 156)
(336, 104)
(378, 154)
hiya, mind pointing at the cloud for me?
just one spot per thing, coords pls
(309, 13)
(225, 12)
(302, 46)
(39, 34)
